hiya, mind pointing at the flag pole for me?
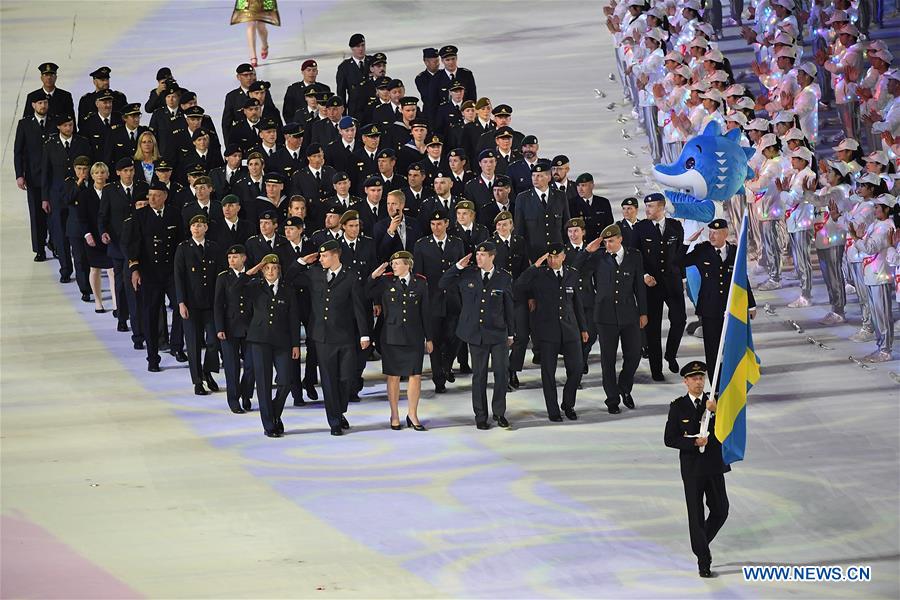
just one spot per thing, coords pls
(704, 421)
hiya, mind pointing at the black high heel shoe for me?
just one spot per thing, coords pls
(418, 427)
(396, 427)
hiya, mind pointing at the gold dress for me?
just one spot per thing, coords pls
(255, 10)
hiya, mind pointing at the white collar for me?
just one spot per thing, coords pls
(503, 239)
(440, 241)
(336, 272)
(201, 243)
(489, 273)
(539, 192)
(236, 272)
(267, 239)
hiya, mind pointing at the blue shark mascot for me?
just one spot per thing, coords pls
(711, 169)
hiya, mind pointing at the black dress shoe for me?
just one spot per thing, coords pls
(613, 409)
(482, 426)
(692, 327)
(706, 573)
(536, 358)
(556, 418)
(337, 431)
(465, 369)
(40, 257)
(115, 313)
(310, 390)
(514, 379)
(299, 402)
(273, 434)
(396, 427)
(627, 400)
(501, 421)
(180, 356)
(673, 365)
(509, 388)
(657, 377)
(584, 370)
(86, 298)
(245, 404)
(418, 427)
(199, 390)
(137, 345)
(121, 327)
(450, 376)
(279, 425)
(99, 310)
(65, 279)
(645, 352)
(153, 368)
(164, 347)
(571, 415)
(344, 423)
(354, 397)
(440, 388)
(210, 382)
(238, 411)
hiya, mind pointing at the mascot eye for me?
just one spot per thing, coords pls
(689, 163)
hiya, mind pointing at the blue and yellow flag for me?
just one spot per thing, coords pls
(740, 364)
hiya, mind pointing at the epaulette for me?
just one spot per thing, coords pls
(223, 272)
(422, 277)
(505, 271)
(109, 184)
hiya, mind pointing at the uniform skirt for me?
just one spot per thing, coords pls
(401, 360)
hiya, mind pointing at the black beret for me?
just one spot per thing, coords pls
(502, 181)
(387, 153)
(487, 246)
(456, 84)
(541, 166)
(186, 96)
(383, 83)
(251, 102)
(339, 177)
(259, 86)
(654, 197)
(329, 245)
(236, 249)
(293, 129)
(231, 199)
(232, 149)
(124, 163)
(529, 139)
(37, 96)
(374, 181)
(159, 187)
(244, 68)
(393, 84)
(486, 153)
(294, 222)
(429, 53)
(268, 215)
(269, 123)
(198, 133)
(585, 178)
(630, 202)
(357, 39)
(560, 160)
(334, 101)
(439, 214)
(313, 148)
(457, 152)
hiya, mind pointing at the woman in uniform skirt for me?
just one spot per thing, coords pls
(405, 331)
(256, 13)
(87, 205)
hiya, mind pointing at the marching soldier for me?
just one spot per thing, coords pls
(31, 133)
(660, 241)
(354, 71)
(231, 313)
(202, 204)
(87, 105)
(702, 473)
(595, 210)
(371, 210)
(340, 326)
(225, 177)
(98, 127)
(60, 101)
(440, 85)
(152, 234)
(268, 241)
(620, 311)
(500, 202)
(425, 80)
(197, 260)
(433, 255)
(715, 261)
(512, 257)
(561, 328)
(574, 246)
(273, 338)
(541, 212)
(121, 142)
(486, 324)
(628, 221)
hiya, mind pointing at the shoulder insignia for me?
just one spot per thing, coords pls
(223, 272)
(422, 277)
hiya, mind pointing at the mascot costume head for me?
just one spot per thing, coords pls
(711, 169)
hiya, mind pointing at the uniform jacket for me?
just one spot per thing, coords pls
(558, 304)
(231, 307)
(432, 263)
(195, 273)
(486, 315)
(405, 315)
(715, 279)
(338, 314)
(151, 242)
(684, 419)
(539, 226)
(275, 318)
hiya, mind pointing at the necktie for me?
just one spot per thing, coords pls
(349, 149)
(352, 246)
(403, 285)
(271, 243)
(106, 121)
(659, 229)
(271, 151)
(441, 247)
(437, 165)
(41, 122)
(205, 210)
(272, 288)
(723, 253)
(294, 154)
(66, 144)
(128, 194)
(375, 211)
(159, 213)
(330, 276)
(544, 200)
(132, 137)
(319, 176)
(506, 242)
(485, 280)
(417, 197)
(234, 227)
(256, 188)
(297, 250)
(202, 249)
(559, 278)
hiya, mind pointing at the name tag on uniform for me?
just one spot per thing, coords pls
(626, 273)
(281, 302)
(685, 420)
(706, 263)
(171, 227)
(569, 290)
(496, 292)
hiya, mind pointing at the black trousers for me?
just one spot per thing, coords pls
(573, 360)
(520, 344)
(656, 297)
(444, 348)
(338, 365)
(129, 305)
(265, 357)
(609, 336)
(499, 357)
(712, 334)
(238, 386)
(311, 376)
(152, 299)
(57, 221)
(79, 252)
(200, 333)
(704, 528)
(592, 338)
(38, 219)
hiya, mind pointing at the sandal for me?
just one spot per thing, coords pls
(265, 52)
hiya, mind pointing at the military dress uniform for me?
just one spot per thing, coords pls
(31, 134)
(231, 313)
(487, 325)
(662, 252)
(716, 270)
(440, 85)
(351, 75)
(98, 131)
(513, 258)
(151, 240)
(69, 202)
(557, 330)
(61, 102)
(586, 293)
(196, 266)
(405, 312)
(432, 258)
(288, 255)
(87, 103)
(338, 324)
(541, 218)
(271, 336)
(702, 473)
(595, 210)
(619, 302)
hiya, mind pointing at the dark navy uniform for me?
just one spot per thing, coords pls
(557, 330)
(519, 173)
(196, 266)
(228, 234)
(98, 132)
(87, 104)
(212, 211)
(386, 244)
(539, 223)
(258, 247)
(231, 313)
(405, 312)
(488, 212)
(512, 257)
(350, 77)
(715, 274)
(586, 293)
(339, 322)
(596, 212)
(440, 85)
(119, 144)
(627, 229)
(151, 241)
(620, 300)
(703, 474)
(433, 259)
(28, 150)
(471, 237)
(222, 183)
(662, 260)
(272, 334)
(486, 324)
(288, 255)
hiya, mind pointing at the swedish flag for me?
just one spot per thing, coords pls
(740, 364)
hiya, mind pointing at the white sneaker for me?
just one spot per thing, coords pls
(879, 356)
(863, 335)
(800, 302)
(849, 289)
(832, 318)
(770, 285)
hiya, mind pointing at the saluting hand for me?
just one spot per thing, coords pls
(541, 260)
(310, 258)
(380, 270)
(595, 245)
(465, 260)
(221, 336)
